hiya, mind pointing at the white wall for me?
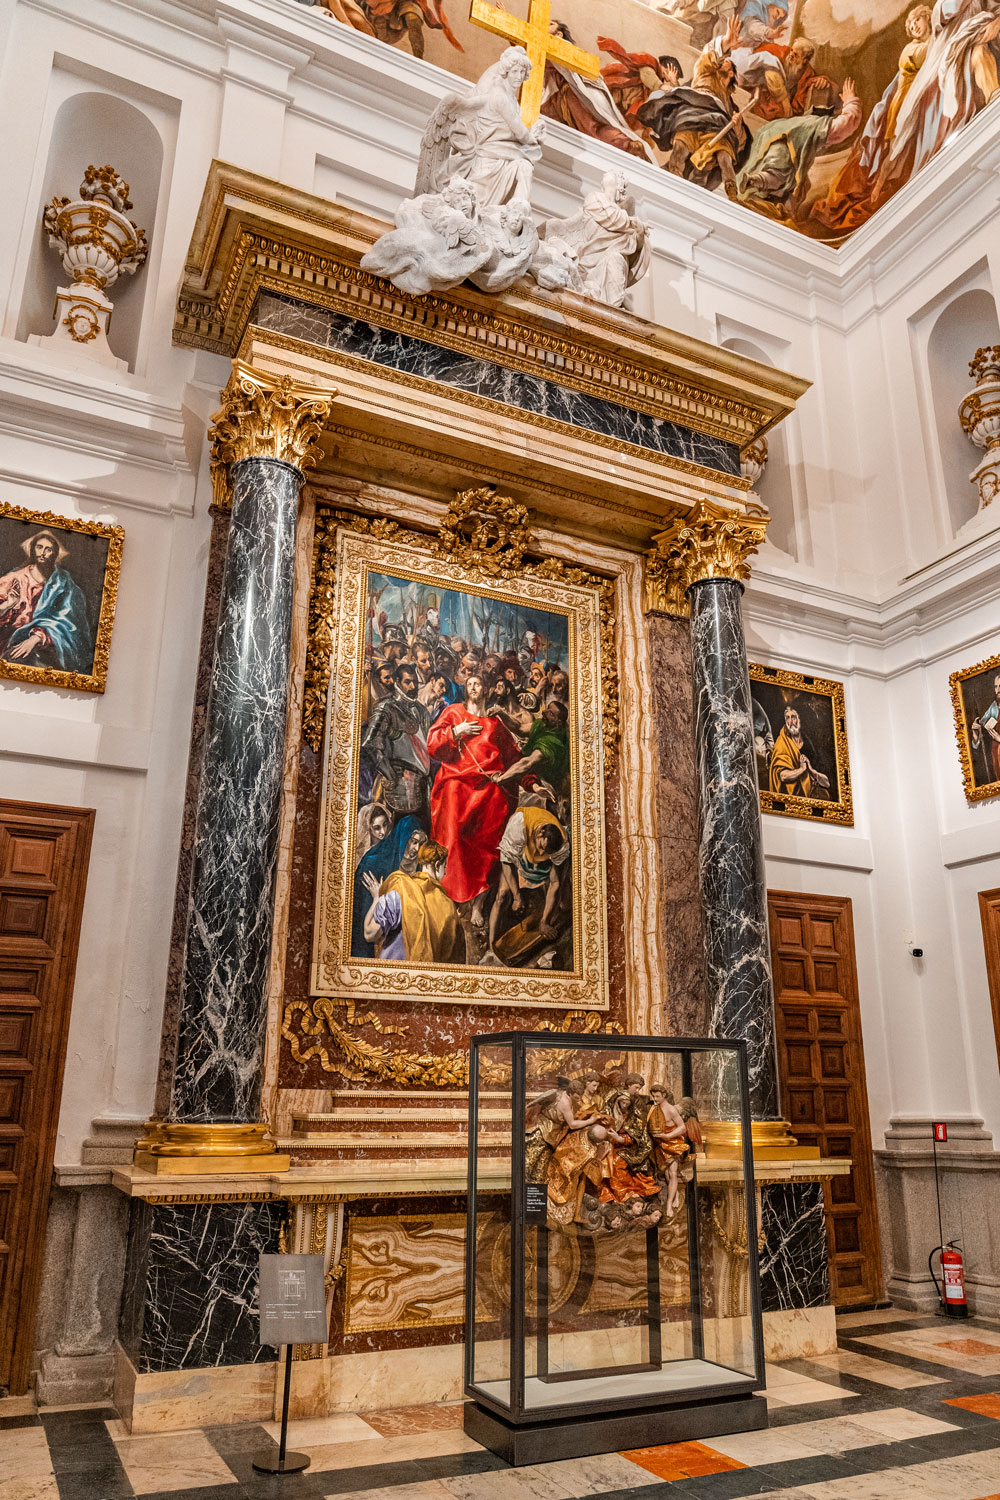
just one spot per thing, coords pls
(870, 586)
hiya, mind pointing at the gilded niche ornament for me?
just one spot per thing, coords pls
(979, 415)
(709, 542)
(263, 416)
(97, 244)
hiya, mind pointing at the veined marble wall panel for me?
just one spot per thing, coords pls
(190, 1297)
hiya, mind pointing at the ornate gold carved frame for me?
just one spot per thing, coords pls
(334, 971)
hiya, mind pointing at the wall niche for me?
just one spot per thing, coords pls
(91, 126)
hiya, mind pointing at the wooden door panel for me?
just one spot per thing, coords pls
(43, 870)
(821, 1062)
(989, 915)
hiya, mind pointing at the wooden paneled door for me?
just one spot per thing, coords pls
(821, 1065)
(989, 915)
(43, 871)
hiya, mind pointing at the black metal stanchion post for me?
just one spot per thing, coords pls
(286, 1463)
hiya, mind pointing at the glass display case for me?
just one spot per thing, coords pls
(611, 1301)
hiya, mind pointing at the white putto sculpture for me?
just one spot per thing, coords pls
(438, 241)
(97, 244)
(611, 244)
(480, 136)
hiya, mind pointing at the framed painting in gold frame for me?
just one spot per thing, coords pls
(461, 853)
(58, 586)
(800, 745)
(975, 701)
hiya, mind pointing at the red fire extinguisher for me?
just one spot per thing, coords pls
(951, 1289)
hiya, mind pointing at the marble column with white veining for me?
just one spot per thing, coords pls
(730, 854)
(217, 1071)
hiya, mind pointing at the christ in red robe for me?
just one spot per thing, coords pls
(469, 811)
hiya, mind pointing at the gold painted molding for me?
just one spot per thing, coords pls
(710, 542)
(263, 416)
(183, 1150)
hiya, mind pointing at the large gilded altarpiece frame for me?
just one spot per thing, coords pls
(530, 599)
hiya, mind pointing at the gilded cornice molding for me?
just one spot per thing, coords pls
(263, 416)
(254, 235)
(709, 542)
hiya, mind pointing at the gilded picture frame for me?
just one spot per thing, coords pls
(800, 744)
(371, 573)
(58, 590)
(976, 708)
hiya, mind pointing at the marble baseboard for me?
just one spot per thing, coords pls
(799, 1333)
(164, 1401)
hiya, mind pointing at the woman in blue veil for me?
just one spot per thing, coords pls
(381, 860)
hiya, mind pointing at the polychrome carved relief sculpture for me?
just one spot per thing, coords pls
(97, 244)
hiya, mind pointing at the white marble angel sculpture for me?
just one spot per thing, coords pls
(438, 241)
(611, 244)
(556, 267)
(514, 240)
(481, 136)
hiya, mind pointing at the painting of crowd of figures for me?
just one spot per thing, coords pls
(813, 112)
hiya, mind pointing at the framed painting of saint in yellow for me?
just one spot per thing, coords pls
(462, 839)
(800, 744)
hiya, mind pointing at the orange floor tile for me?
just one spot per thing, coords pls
(987, 1405)
(681, 1460)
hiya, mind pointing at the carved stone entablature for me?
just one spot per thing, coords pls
(252, 235)
(708, 543)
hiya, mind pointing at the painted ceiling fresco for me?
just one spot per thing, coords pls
(838, 102)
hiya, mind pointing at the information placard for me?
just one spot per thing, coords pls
(292, 1300)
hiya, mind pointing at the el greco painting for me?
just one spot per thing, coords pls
(58, 585)
(975, 698)
(462, 834)
(812, 112)
(800, 745)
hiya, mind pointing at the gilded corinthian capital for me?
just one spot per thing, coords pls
(263, 416)
(708, 542)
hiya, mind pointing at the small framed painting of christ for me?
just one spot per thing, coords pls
(462, 838)
(58, 585)
(800, 745)
(975, 700)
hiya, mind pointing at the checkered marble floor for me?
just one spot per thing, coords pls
(907, 1409)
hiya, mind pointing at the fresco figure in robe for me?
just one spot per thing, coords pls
(699, 127)
(854, 195)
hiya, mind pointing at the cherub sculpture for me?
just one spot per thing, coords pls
(480, 136)
(439, 240)
(611, 244)
(514, 241)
